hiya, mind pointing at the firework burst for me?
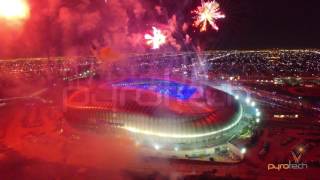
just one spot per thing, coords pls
(156, 39)
(207, 13)
(14, 9)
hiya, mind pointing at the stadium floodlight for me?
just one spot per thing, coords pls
(258, 114)
(253, 104)
(236, 97)
(156, 146)
(243, 150)
(248, 100)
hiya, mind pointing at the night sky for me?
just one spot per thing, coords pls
(256, 24)
(69, 27)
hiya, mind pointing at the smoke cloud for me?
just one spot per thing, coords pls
(70, 27)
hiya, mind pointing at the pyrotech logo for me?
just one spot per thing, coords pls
(296, 165)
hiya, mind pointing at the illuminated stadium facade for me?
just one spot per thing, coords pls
(179, 120)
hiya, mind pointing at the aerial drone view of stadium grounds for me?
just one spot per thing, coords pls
(178, 120)
(159, 89)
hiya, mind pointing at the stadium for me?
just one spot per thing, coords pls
(178, 119)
